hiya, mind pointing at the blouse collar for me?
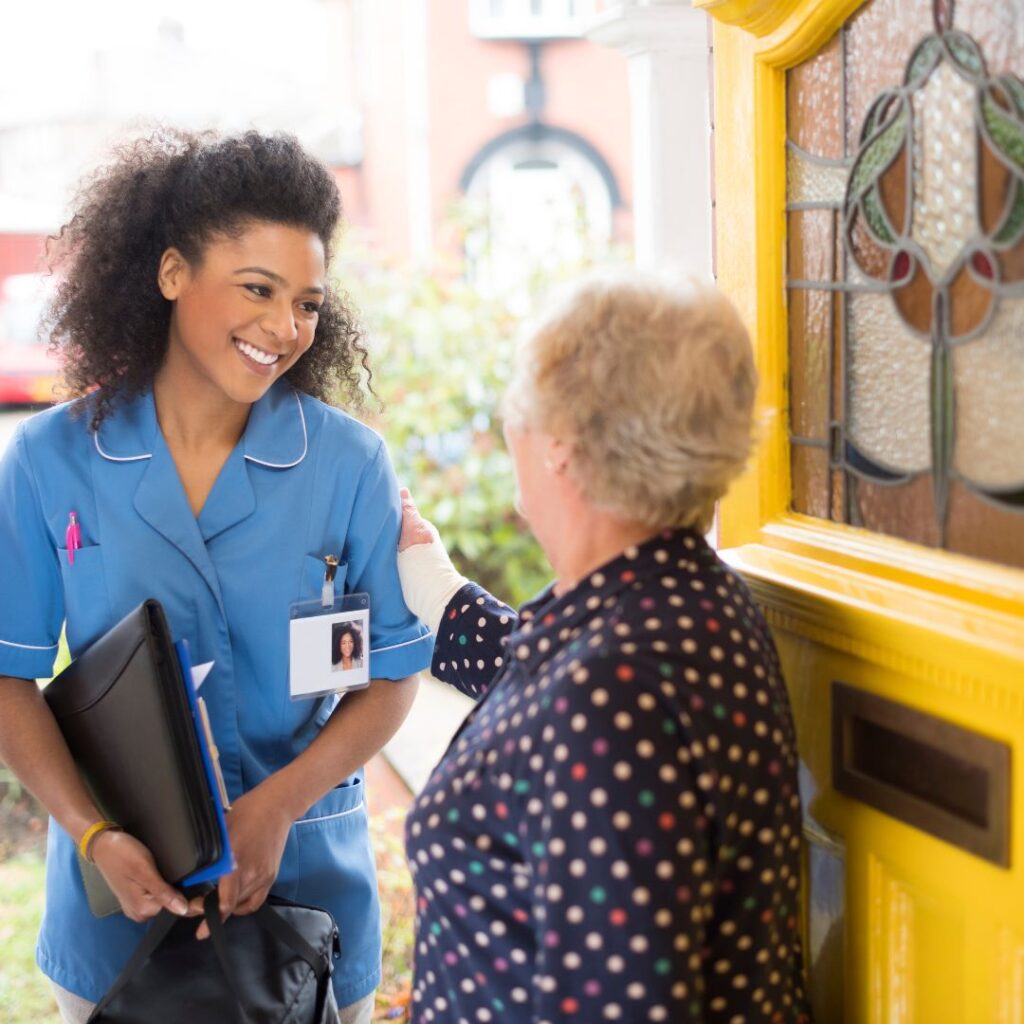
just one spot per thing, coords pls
(548, 621)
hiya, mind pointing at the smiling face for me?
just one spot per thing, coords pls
(346, 645)
(245, 313)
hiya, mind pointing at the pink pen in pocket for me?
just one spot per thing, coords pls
(73, 537)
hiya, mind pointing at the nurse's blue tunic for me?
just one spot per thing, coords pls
(305, 480)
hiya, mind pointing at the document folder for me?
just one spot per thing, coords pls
(130, 718)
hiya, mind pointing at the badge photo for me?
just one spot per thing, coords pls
(330, 647)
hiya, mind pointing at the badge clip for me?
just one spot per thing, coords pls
(327, 593)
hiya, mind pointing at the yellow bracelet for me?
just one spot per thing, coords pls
(91, 833)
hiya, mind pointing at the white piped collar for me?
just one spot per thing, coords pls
(275, 436)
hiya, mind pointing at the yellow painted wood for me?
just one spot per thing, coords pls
(933, 934)
(754, 16)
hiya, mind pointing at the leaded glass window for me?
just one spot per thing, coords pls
(905, 275)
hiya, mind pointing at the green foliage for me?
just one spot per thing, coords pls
(442, 351)
(24, 993)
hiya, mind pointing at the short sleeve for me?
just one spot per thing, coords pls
(31, 593)
(399, 643)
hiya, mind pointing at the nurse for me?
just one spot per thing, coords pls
(201, 465)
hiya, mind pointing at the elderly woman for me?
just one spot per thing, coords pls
(614, 832)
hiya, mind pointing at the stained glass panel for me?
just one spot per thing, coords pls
(998, 28)
(811, 254)
(989, 375)
(893, 435)
(810, 480)
(810, 350)
(812, 181)
(901, 511)
(982, 530)
(815, 109)
(878, 41)
(905, 260)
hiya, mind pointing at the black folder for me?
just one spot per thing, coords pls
(126, 711)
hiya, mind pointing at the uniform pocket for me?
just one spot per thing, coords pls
(334, 868)
(313, 578)
(86, 603)
(341, 802)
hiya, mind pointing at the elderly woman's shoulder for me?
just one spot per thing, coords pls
(701, 632)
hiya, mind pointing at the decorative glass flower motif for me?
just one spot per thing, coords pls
(934, 215)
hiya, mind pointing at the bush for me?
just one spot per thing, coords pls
(442, 353)
(442, 349)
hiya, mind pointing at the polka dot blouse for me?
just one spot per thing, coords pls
(614, 832)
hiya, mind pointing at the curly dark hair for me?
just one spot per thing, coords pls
(339, 630)
(109, 322)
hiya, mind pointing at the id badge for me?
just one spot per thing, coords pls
(329, 644)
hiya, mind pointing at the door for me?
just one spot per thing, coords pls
(869, 198)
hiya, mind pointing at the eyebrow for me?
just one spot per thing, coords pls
(276, 278)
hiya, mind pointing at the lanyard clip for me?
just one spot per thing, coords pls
(327, 594)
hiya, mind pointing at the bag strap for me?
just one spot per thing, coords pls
(211, 908)
(273, 922)
(278, 926)
(158, 931)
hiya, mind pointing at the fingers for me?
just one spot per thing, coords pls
(415, 529)
(146, 897)
(132, 875)
(170, 899)
(227, 892)
(229, 897)
(251, 903)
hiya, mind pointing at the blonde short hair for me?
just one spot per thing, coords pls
(653, 384)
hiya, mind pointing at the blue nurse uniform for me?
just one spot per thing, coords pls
(305, 480)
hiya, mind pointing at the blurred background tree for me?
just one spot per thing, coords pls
(443, 341)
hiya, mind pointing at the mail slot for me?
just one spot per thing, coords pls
(923, 770)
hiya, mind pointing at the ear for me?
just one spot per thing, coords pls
(172, 274)
(556, 455)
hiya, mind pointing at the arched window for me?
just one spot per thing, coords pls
(541, 198)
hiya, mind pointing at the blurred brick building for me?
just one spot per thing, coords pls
(414, 102)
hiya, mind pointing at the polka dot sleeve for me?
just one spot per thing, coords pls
(619, 857)
(469, 651)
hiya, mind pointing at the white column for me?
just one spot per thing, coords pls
(666, 42)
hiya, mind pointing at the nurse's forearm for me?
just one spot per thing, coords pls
(32, 746)
(360, 726)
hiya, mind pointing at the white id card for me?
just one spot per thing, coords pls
(329, 646)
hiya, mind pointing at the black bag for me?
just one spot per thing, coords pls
(270, 967)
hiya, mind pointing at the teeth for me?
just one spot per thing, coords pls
(255, 354)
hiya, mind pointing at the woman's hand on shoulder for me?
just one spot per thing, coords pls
(429, 580)
(130, 871)
(258, 830)
(415, 529)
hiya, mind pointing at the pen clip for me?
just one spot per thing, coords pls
(327, 593)
(73, 537)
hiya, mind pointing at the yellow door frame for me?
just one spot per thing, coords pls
(931, 930)
(837, 566)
